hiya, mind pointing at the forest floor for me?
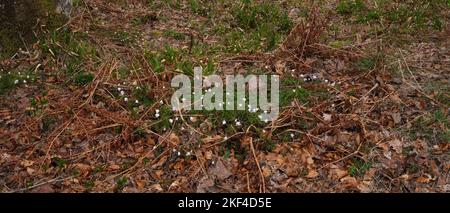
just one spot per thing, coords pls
(364, 98)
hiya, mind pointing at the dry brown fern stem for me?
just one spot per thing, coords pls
(304, 34)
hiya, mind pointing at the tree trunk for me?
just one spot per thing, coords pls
(19, 17)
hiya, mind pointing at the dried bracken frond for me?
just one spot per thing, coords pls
(303, 35)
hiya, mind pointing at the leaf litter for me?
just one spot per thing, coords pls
(372, 131)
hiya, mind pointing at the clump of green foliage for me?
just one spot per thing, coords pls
(401, 16)
(263, 26)
(83, 78)
(359, 167)
(6, 83)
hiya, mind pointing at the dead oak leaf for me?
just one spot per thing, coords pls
(46, 188)
(365, 186)
(158, 174)
(156, 187)
(114, 167)
(312, 173)
(327, 117)
(30, 171)
(205, 185)
(275, 158)
(266, 172)
(280, 67)
(140, 183)
(26, 163)
(425, 179)
(209, 155)
(174, 139)
(212, 139)
(220, 170)
(349, 180)
(337, 173)
(396, 117)
(160, 162)
(396, 145)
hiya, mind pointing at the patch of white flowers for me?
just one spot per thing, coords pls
(237, 122)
